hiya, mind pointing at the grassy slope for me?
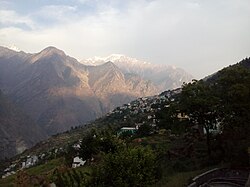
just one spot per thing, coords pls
(170, 178)
(43, 169)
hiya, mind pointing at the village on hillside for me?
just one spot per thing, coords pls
(146, 107)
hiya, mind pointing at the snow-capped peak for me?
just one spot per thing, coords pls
(157, 73)
(118, 59)
(95, 58)
(14, 48)
(94, 61)
(100, 60)
(125, 60)
(114, 57)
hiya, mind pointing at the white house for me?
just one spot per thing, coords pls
(77, 162)
(31, 161)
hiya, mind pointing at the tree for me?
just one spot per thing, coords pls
(89, 146)
(198, 101)
(144, 130)
(168, 118)
(127, 167)
(233, 89)
(69, 155)
(108, 143)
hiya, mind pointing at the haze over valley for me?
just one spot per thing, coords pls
(120, 93)
(57, 92)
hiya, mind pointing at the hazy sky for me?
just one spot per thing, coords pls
(200, 36)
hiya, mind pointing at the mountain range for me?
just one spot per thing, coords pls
(176, 139)
(163, 76)
(55, 91)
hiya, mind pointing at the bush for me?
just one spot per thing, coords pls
(127, 167)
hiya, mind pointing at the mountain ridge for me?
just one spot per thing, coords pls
(39, 83)
(57, 92)
(163, 76)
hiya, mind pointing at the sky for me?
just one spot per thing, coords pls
(200, 36)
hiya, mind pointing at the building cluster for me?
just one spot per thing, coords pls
(19, 165)
(9, 171)
(29, 161)
(145, 107)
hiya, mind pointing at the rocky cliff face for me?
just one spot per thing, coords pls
(164, 77)
(115, 88)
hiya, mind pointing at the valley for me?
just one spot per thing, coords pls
(167, 134)
(57, 92)
(144, 93)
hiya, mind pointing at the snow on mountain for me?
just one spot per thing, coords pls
(129, 64)
(14, 48)
(163, 76)
(115, 58)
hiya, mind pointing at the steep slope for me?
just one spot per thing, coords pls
(176, 144)
(245, 63)
(163, 76)
(138, 110)
(17, 131)
(58, 92)
(12, 63)
(114, 88)
(53, 89)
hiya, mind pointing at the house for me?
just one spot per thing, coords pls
(31, 161)
(23, 164)
(8, 174)
(182, 116)
(77, 162)
(77, 146)
(131, 130)
(215, 130)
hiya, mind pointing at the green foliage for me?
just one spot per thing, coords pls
(127, 167)
(198, 101)
(168, 117)
(89, 146)
(144, 130)
(126, 135)
(94, 143)
(67, 177)
(233, 88)
(222, 101)
(69, 155)
(44, 168)
(108, 144)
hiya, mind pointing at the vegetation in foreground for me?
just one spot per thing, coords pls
(205, 125)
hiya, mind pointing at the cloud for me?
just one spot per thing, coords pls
(9, 18)
(55, 14)
(4, 4)
(200, 36)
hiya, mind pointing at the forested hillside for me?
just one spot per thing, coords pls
(176, 135)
